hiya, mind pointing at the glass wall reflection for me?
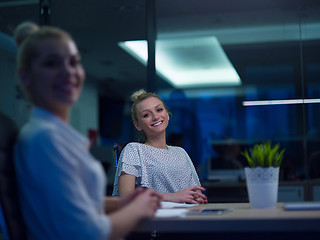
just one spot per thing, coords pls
(274, 47)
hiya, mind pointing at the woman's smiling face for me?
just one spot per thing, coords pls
(152, 116)
(56, 76)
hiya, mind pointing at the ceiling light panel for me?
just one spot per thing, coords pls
(188, 62)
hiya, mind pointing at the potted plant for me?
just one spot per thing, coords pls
(262, 175)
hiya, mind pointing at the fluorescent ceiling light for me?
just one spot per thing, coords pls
(261, 34)
(279, 102)
(188, 62)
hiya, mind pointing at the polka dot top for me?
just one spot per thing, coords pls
(165, 170)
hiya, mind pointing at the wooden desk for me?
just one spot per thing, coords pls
(242, 223)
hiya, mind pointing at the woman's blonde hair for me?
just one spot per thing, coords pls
(27, 36)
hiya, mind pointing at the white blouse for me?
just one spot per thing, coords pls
(165, 170)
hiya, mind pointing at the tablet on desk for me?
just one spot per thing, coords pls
(216, 211)
(302, 206)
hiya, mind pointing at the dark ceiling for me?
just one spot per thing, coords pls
(98, 26)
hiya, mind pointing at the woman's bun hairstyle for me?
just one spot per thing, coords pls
(136, 95)
(24, 30)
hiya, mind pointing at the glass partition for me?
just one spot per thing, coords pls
(310, 47)
(274, 48)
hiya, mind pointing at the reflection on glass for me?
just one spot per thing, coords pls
(275, 49)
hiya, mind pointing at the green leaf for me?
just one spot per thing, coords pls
(264, 155)
(249, 159)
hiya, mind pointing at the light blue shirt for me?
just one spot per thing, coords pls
(61, 186)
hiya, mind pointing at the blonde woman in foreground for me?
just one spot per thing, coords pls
(61, 186)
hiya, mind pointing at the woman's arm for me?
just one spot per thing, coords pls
(126, 184)
(111, 204)
(139, 205)
(188, 195)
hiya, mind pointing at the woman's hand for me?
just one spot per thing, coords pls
(141, 204)
(145, 202)
(192, 195)
(200, 197)
(129, 198)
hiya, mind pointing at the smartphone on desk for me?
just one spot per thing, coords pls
(215, 211)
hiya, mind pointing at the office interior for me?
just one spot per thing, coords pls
(273, 47)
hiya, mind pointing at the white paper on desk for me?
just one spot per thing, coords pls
(167, 205)
(171, 212)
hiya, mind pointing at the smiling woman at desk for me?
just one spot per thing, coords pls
(154, 164)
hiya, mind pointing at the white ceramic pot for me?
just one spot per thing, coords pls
(262, 186)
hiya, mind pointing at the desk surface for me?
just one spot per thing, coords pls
(241, 219)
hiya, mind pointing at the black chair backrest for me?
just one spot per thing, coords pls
(117, 148)
(9, 199)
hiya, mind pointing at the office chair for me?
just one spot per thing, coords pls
(12, 224)
(117, 148)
